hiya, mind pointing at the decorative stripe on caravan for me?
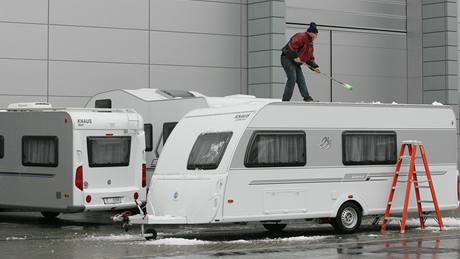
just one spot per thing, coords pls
(346, 178)
(26, 174)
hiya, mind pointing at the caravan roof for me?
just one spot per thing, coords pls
(153, 95)
(337, 115)
(93, 118)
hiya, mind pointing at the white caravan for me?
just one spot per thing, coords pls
(273, 162)
(71, 159)
(161, 110)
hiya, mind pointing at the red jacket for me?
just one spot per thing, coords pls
(301, 43)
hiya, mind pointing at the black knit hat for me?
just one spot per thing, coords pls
(312, 28)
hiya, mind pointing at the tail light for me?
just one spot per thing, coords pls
(136, 196)
(144, 175)
(79, 178)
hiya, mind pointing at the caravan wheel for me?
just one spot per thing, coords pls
(348, 219)
(50, 215)
(150, 234)
(274, 228)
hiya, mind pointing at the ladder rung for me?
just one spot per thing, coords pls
(426, 201)
(409, 157)
(405, 181)
(412, 142)
(392, 217)
(424, 187)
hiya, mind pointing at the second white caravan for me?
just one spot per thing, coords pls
(273, 162)
(161, 110)
(64, 160)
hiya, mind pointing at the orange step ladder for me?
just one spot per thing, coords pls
(412, 178)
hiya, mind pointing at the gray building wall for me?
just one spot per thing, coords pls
(360, 42)
(64, 51)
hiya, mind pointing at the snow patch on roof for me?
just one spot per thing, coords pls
(147, 94)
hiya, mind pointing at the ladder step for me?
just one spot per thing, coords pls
(412, 142)
(426, 201)
(409, 157)
(405, 181)
(392, 217)
(424, 187)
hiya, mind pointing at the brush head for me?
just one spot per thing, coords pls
(348, 87)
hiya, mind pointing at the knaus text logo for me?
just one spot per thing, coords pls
(242, 116)
(83, 122)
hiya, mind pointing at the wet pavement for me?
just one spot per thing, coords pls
(28, 235)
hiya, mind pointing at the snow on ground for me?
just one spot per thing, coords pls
(113, 237)
(437, 103)
(177, 242)
(450, 223)
(15, 238)
(186, 242)
(295, 239)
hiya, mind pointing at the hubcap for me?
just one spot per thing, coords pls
(349, 217)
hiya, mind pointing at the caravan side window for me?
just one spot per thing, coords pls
(276, 149)
(109, 151)
(369, 147)
(40, 151)
(148, 129)
(103, 103)
(208, 150)
(167, 129)
(2, 146)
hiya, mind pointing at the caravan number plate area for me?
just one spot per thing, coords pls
(112, 200)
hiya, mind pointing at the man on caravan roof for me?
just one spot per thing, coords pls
(297, 51)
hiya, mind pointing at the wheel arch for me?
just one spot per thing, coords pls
(356, 199)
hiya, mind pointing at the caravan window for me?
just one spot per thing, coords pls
(40, 151)
(369, 147)
(208, 150)
(103, 103)
(2, 146)
(276, 149)
(109, 151)
(167, 129)
(148, 129)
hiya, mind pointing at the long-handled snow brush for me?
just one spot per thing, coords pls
(345, 85)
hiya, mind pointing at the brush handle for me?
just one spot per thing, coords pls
(328, 76)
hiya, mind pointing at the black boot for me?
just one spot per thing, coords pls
(308, 99)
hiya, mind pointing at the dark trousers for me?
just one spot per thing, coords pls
(294, 75)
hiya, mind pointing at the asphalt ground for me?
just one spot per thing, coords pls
(92, 235)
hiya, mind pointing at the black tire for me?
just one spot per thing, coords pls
(150, 234)
(348, 219)
(49, 215)
(274, 228)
